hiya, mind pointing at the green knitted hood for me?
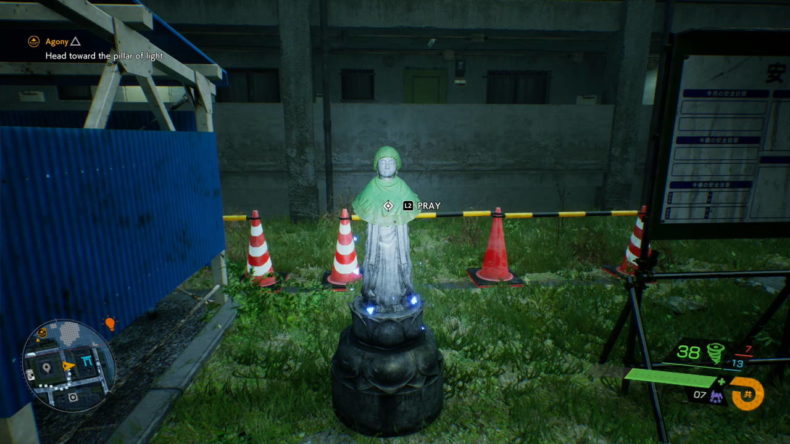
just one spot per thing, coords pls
(386, 151)
(370, 203)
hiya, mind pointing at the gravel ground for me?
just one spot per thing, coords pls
(137, 366)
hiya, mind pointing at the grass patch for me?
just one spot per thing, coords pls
(517, 360)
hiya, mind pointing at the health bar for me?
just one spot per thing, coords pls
(672, 378)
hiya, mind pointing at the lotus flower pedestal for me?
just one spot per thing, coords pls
(387, 372)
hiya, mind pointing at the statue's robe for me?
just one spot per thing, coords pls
(387, 265)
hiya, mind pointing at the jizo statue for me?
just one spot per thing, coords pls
(387, 370)
(387, 283)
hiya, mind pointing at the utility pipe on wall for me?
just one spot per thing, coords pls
(328, 170)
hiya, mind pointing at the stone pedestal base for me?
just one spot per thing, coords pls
(387, 391)
(386, 329)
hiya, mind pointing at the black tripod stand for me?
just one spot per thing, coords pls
(676, 53)
(635, 286)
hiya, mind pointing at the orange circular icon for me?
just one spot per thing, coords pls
(33, 41)
(42, 332)
(751, 397)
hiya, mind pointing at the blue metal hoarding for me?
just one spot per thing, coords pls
(98, 223)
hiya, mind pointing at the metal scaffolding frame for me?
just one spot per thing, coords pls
(120, 25)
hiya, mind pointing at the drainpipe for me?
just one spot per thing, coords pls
(327, 110)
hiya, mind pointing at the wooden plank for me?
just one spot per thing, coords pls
(93, 18)
(210, 71)
(219, 270)
(204, 106)
(104, 98)
(85, 14)
(155, 103)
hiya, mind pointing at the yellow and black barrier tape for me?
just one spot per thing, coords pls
(526, 215)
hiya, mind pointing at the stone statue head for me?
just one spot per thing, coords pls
(387, 167)
(384, 152)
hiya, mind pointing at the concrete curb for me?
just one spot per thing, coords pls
(144, 421)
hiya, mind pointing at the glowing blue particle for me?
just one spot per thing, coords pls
(355, 238)
(413, 300)
(370, 310)
(422, 328)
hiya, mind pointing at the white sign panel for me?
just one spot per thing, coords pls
(730, 150)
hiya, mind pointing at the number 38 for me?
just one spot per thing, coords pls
(684, 351)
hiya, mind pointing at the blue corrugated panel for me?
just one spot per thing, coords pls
(98, 223)
(182, 120)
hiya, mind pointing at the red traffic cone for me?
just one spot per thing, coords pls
(634, 249)
(259, 261)
(495, 268)
(345, 268)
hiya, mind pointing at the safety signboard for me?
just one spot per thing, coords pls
(726, 159)
(730, 157)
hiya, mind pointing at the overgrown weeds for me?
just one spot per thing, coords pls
(517, 360)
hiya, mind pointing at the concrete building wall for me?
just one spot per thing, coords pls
(527, 157)
(244, 58)
(568, 77)
(465, 154)
(520, 157)
(548, 15)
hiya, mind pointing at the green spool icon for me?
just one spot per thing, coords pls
(714, 351)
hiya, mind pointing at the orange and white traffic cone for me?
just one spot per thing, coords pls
(634, 249)
(259, 261)
(495, 268)
(345, 268)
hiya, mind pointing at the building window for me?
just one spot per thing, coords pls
(357, 85)
(74, 92)
(517, 87)
(251, 85)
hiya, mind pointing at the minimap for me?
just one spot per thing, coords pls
(68, 366)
